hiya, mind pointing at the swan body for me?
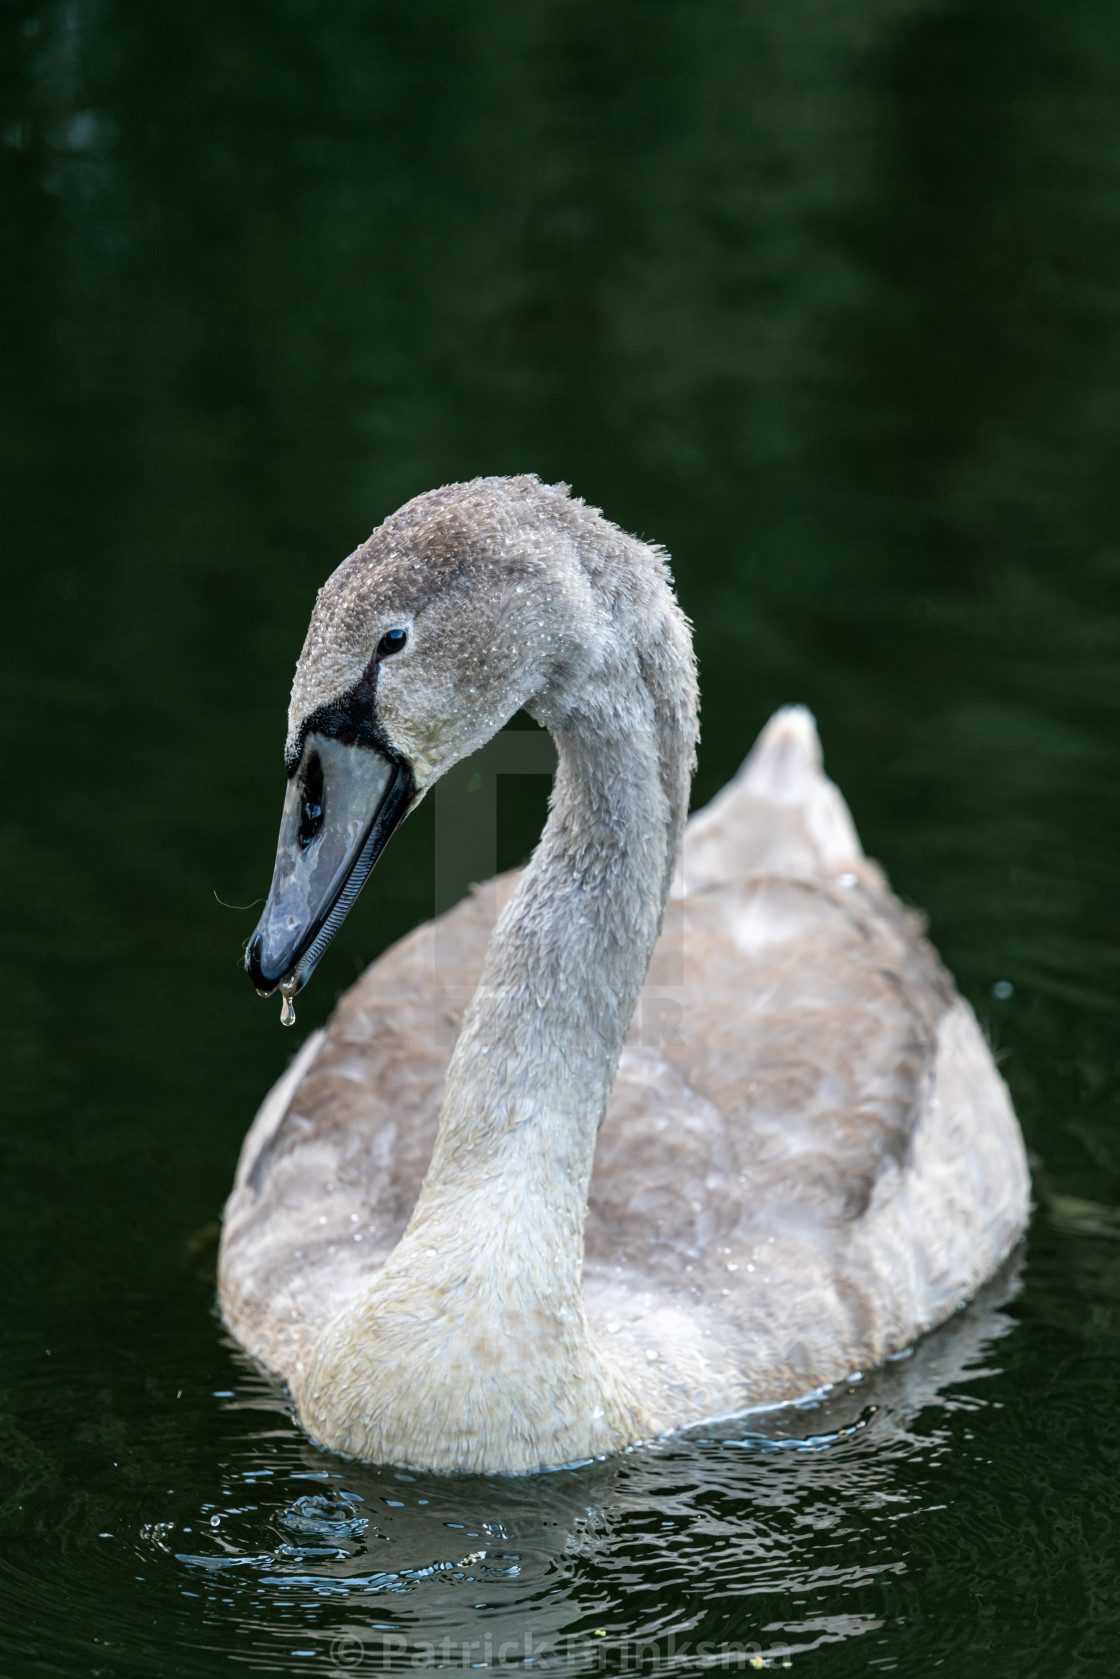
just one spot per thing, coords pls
(496, 1217)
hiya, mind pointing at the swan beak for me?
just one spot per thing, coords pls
(341, 806)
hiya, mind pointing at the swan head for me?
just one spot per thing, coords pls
(467, 604)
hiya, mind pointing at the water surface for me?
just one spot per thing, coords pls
(826, 299)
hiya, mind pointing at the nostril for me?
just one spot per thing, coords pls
(311, 820)
(311, 802)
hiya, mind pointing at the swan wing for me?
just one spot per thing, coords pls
(809, 1155)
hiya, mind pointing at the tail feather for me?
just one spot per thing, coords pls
(785, 763)
(780, 814)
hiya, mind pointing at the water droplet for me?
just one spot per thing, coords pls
(287, 1013)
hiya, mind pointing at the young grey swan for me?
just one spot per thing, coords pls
(453, 1258)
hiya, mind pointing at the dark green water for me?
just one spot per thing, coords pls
(827, 298)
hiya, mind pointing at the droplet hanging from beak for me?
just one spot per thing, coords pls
(287, 1013)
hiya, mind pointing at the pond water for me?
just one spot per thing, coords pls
(827, 299)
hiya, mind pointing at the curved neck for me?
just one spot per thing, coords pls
(536, 1058)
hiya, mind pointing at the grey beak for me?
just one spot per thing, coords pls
(342, 805)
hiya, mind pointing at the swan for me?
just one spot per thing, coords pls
(483, 1222)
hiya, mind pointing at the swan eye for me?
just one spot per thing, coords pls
(391, 642)
(311, 803)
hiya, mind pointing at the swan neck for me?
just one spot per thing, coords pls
(534, 1065)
